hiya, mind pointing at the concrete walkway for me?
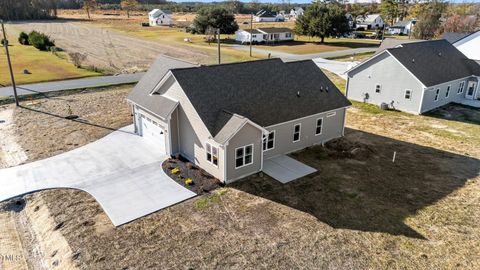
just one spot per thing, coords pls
(122, 171)
(286, 169)
(72, 84)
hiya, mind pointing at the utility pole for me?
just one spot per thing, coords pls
(218, 42)
(5, 43)
(251, 33)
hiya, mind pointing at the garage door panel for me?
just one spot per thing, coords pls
(152, 131)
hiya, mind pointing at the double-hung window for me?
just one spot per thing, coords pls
(296, 132)
(212, 154)
(408, 94)
(437, 93)
(318, 129)
(243, 156)
(269, 141)
(460, 88)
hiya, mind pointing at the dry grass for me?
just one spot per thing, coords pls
(359, 211)
(40, 122)
(43, 66)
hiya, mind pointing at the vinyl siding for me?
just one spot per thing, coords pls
(248, 134)
(192, 132)
(429, 102)
(394, 80)
(332, 128)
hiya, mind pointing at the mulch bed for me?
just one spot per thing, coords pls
(203, 182)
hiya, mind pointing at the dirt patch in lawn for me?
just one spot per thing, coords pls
(42, 130)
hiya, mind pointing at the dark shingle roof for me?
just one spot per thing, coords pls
(389, 43)
(453, 37)
(140, 94)
(272, 30)
(264, 91)
(435, 62)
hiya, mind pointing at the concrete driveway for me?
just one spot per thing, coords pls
(338, 67)
(286, 169)
(122, 171)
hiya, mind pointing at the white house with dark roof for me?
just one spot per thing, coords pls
(370, 21)
(416, 77)
(268, 16)
(404, 27)
(160, 17)
(267, 35)
(232, 126)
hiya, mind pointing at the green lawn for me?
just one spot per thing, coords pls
(43, 66)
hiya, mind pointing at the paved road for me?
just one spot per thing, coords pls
(72, 84)
(122, 171)
(289, 56)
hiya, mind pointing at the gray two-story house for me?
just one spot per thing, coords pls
(416, 77)
(229, 118)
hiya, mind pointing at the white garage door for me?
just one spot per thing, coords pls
(152, 131)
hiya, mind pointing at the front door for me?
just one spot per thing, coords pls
(471, 90)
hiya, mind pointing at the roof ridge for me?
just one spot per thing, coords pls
(233, 63)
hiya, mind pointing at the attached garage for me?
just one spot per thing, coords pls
(153, 130)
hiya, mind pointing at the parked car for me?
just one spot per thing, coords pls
(357, 35)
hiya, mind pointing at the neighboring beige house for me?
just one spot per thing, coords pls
(229, 118)
(416, 77)
(160, 17)
(267, 35)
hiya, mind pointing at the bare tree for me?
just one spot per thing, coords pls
(128, 5)
(89, 5)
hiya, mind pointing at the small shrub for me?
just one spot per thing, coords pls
(23, 38)
(77, 58)
(40, 41)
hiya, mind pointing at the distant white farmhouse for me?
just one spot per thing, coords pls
(296, 12)
(266, 35)
(470, 46)
(268, 16)
(160, 17)
(402, 27)
(371, 21)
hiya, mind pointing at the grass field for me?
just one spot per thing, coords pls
(43, 66)
(358, 57)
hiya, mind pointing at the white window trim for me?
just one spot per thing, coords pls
(460, 88)
(447, 94)
(299, 132)
(437, 95)
(316, 126)
(274, 139)
(410, 95)
(244, 164)
(211, 149)
(379, 88)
